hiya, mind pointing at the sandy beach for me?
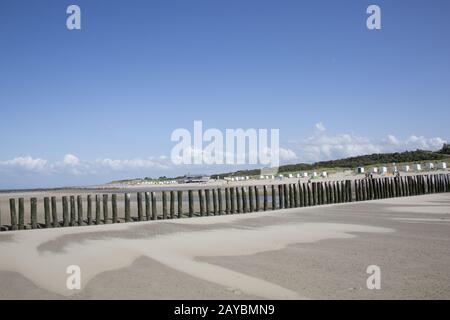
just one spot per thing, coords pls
(302, 253)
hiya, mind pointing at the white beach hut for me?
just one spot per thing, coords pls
(429, 166)
(290, 175)
(442, 165)
(298, 175)
(406, 168)
(305, 174)
(314, 174)
(383, 170)
(417, 167)
(360, 170)
(374, 170)
(324, 174)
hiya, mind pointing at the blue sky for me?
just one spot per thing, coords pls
(91, 105)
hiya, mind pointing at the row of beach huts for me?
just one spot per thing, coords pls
(417, 167)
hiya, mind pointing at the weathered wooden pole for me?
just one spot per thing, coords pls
(172, 204)
(65, 206)
(303, 194)
(232, 201)
(280, 197)
(207, 202)
(274, 198)
(164, 204)
(140, 210)
(127, 207)
(80, 210)
(200, 201)
(257, 199)
(227, 201)
(180, 203)
(48, 222)
(12, 212)
(148, 206)
(238, 200)
(154, 206)
(54, 213)
(244, 201)
(296, 198)
(33, 210)
(250, 199)
(115, 218)
(214, 200)
(286, 195)
(21, 214)
(219, 198)
(191, 203)
(265, 201)
(97, 209)
(105, 209)
(72, 211)
(291, 196)
(89, 210)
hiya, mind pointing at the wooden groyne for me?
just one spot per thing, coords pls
(71, 211)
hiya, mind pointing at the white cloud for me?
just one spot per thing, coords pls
(27, 163)
(71, 160)
(323, 146)
(320, 127)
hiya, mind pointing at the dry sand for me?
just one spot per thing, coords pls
(303, 253)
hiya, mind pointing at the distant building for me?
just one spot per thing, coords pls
(197, 179)
(360, 170)
(442, 165)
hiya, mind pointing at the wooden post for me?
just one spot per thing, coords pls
(296, 196)
(97, 209)
(207, 201)
(54, 213)
(280, 196)
(89, 210)
(219, 197)
(214, 196)
(238, 200)
(65, 206)
(191, 203)
(227, 201)
(48, 222)
(172, 204)
(154, 206)
(164, 204)
(244, 201)
(139, 207)
(12, 212)
(250, 199)
(232, 201)
(80, 210)
(180, 203)
(286, 196)
(302, 191)
(127, 207)
(257, 200)
(265, 198)
(314, 193)
(33, 210)
(274, 198)
(291, 196)
(115, 218)
(21, 214)
(72, 211)
(105, 209)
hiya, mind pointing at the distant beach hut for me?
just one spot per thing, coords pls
(394, 169)
(417, 167)
(406, 168)
(442, 165)
(247, 178)
(360, 170)
(314, 174)
(324, 174)
(305, 174)
(290, 175)
(374, 170)
(429, 166)
(261, 177)
(280, 176)
(298, 175)
(383, 170)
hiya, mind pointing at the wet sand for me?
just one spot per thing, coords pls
(302, 253)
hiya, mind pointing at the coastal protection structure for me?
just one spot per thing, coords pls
(78, 210)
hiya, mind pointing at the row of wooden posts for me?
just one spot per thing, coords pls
(218, 201)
